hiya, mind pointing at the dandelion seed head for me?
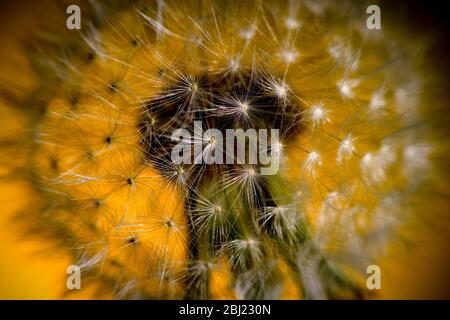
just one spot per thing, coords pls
(150, 227)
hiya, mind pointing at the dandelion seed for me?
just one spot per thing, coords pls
(346, 87)
(346, 149)
(170, 223)
(377, 101)
(280, 222)
(234, 65)
(309, 263)
(386, 154)
(289, 55)
(87, 262)
(312, 162)
(244, 106)
(317, 115)
(336, 48)
(276, 87)
(370, 168)
(366, 160)
(197, 40)
(211, 219)
(291, 23)
(193, 87)
(281, 90)
(245, 253)
(98, 203)
(276, 149)
(407, 100)
(374, 165)
(239, 109)
(328, 211)
(248, 34)
(416, 161)
(316, 6)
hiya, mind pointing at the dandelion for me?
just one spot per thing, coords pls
(124, 154)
